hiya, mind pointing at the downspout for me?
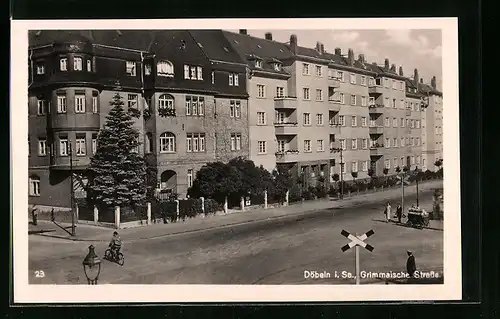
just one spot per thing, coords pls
(31, 63)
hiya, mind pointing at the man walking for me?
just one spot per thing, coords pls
(34, 215)
(387, 213)
(399, 213)
(410, 264)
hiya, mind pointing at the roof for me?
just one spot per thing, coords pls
(247, 45)
(216, 46)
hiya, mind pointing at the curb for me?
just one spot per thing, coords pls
(351, 205)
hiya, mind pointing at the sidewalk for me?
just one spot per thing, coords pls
(95, 233)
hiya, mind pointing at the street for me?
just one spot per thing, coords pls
(263, 252)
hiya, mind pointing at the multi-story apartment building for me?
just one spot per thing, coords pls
(232, 95)
(74, 75)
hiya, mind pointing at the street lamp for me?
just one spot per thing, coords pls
(92, 266)
(335, 150)
(416, 179)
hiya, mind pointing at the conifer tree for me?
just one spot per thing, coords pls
(117, 173)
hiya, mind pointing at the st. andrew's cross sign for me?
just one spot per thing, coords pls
(357, 241)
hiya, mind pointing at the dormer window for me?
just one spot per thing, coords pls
(130, 68)
(258, 63)
(89, 65)
(164, 68)
(147, 69)
(63, 64)
(40, 68)
(277, 66)
(77, 64)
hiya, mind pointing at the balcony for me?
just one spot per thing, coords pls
(286, 128)
(334, 128)
(333, 82)
(285, 102)
(376, 150)
(288, 156)
(376, 109)
(334, 105)
(377, 129)
(376, 89)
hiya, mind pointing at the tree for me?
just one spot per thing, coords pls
(253, 179)
(282, 182)
(336, 178)
(438, 163)
(371, 172)
(216, 180)
(398, 169)
(354, 176)
(117, 174)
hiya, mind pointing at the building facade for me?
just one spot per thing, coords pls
(212, 95)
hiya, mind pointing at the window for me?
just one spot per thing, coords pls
(364, 143)
(34, 185)
(387, 122)
(132, 100)
(195, 142)
(363, 121)
(235, 141)
(63, 146)
(342, 98)
(305, 94)
(307, 118)
(167, 142)
(387, 142)
(363, 80)
(320, 145)
(395, 162)
(394, 84)
(94, 104)
(63, 64)
(343, 144)
(319, 95)
(342, 120)
(394, 103)
(319, 71)
(387, 163)
(77, 64)
(371, 81)
(42, 147)
(319, 119)
(371, 101)
(166, 101)
(386, 83)
(261, 118)
(394, 122)
(164, 68)
(418, 160)
(261, 91)
(193, 72)
(280, 91)
(353, 99)
(354, 121)
(262, 147)
(417, 122)
(147, 69)
(354, 144)
(199, 75)
(61, 104)
(41, 109)
(40, 68)
(305, 69)
(94, 144)
(412, 160)
(80, 145)
(186, 72)
(213, 77)
(401, 85)
(412, 142)
(340, 76)
(277, 67)
(395, 142)
(363, 101)
(281, 145)
(130, 68)
(190, 177)
(365, 166)
(353, 78)
(402, 122)
(307, 145)
(418, 141)
(354, 166)
(233, 79)
(235, 108)
(386, 102)
(79, 103)
(412, 124)
(258, 64)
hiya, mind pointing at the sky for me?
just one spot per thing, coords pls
(410, 49)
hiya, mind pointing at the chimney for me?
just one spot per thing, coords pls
(243, 31)
(433, 82)
(338, 51)
(361, 58)
(415, 76)
(350, 57)
(401, 71)
(293, 43)
(318, 47)
(393, 68)
(322, 48)
(269, 36)
(386, 64)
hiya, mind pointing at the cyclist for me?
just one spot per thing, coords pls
(115, 244)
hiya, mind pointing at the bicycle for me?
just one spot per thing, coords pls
(110, 255)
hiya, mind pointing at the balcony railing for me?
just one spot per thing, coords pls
(375, 109)
(334, 104)
(286, 128)
(333, 82)
(375, 89)
(287, 156)
(285, 102)
(377, 129)
(376, 149)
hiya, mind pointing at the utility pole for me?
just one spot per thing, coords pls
(416, 178)
(72, 189)
(341, 174)
(402, 192)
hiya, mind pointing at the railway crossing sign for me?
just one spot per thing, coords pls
(356, 242)
(405, 180)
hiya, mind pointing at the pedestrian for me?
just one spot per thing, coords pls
(34, 215)
(410, 264)
(387, 213)
(399, 213)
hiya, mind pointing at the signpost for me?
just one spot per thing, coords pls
(357, 241)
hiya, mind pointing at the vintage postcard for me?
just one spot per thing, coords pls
(245, 160)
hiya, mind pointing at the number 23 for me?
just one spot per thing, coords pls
(39, 273)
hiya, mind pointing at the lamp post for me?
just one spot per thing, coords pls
(416, 179)
(72, 195)
(92, 266)
(339, 149)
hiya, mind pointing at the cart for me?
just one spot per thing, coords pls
(417, 218)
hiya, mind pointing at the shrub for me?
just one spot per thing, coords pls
(295, 194)
(168, 210)
(212, 206)
(309, 193)
(320, 191)
(189, 208)
(333, 191)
